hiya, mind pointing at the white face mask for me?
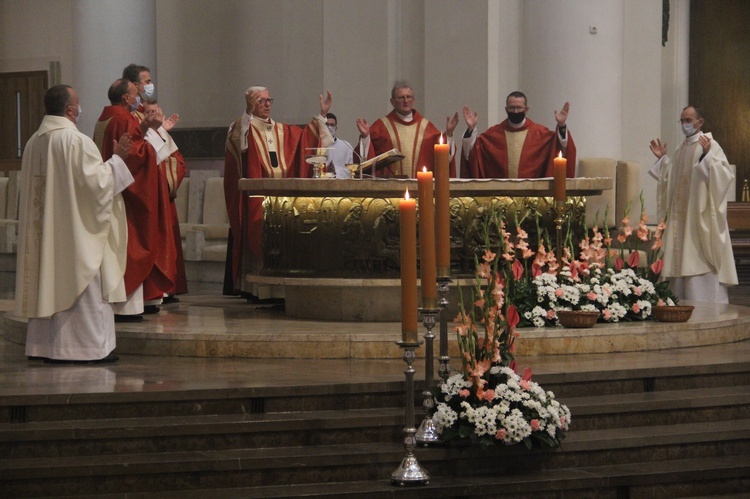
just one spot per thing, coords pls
(148, 90)
(79, 113)
(332, 129)
(688, 129)
(134, 106)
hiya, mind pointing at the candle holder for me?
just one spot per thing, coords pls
(409, 471)
(427, 433)
(443, 288)
(559, 220)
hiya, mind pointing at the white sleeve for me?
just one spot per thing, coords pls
(655, 170)
(468, 143)
(120, 174)
(160, 146)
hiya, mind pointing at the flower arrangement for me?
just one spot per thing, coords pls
(610, 281)
(487, 402)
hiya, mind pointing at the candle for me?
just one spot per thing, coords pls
(408, 221)
(442, 208)
(427, 239)
(560, 174)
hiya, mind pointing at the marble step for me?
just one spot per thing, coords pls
(720, 477)
(363, 462)
(211, 432)
(257, 400)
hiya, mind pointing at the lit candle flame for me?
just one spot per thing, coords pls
(406, 196)
(441, 138)
(559, 155)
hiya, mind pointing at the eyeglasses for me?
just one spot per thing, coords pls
(263, 102)
(405, 98)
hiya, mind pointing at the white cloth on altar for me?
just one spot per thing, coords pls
(72, 243)
(692, 192)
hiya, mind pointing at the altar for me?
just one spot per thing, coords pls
(331, 246)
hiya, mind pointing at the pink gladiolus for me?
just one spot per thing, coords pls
(517, 269)
(464, 393)
(634, 258)
(488, 256)
(525, 384)
(573, 271)
(484, 271)
(534, 423)
(657, 266)
(489, 395)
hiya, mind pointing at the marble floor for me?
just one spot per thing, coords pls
(19, 376)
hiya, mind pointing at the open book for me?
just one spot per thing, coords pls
(381, 161)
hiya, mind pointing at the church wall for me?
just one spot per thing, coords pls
(35, 32)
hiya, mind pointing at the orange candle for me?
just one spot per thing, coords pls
(442, 208)
(408, 219)
(560, 175)
(428, 270)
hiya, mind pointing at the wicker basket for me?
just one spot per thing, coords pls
(577, 318)
(673, 314)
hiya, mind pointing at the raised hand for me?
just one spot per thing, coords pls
(251, 99)
(122, 147)
(450, 124)
(325, 104)
(705, 142)
(170, 122)
(658, 147)
(562, 115)
(363, 127)
(471, 118)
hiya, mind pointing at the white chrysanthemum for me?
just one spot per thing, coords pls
(453, 385)
(444, 417)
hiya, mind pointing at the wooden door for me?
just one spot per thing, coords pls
(21, 112)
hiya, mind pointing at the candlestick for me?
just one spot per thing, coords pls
(408, 221)
(560, 173)
(442, 208)
(428, 270)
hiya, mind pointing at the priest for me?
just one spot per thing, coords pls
(259, 147)
(151, 250)
(72, 237)
(407, 131)
(692, 194)
(517, 147)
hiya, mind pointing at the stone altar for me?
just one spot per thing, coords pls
(332, 244)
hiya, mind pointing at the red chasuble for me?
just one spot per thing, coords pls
(174, 169)
(489, 156)
(246, 214)
(151, 245)
(415, 140)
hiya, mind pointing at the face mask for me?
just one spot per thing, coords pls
(516, 118)
(137, 103)
(148, 89)
(332, 130)
(688, 129)
(79, 113)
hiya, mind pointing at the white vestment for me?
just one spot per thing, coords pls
(692, 193)
(72, 243)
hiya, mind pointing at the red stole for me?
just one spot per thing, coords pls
(489, 156)
(384, 136)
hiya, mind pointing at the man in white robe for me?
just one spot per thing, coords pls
(72, 237)
(692, 193)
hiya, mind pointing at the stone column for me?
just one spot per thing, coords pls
(107, 36)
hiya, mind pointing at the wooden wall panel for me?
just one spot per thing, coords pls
(720, 75)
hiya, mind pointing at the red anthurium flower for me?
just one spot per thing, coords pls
(517, 269)
(657, 266)
(634, 258)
